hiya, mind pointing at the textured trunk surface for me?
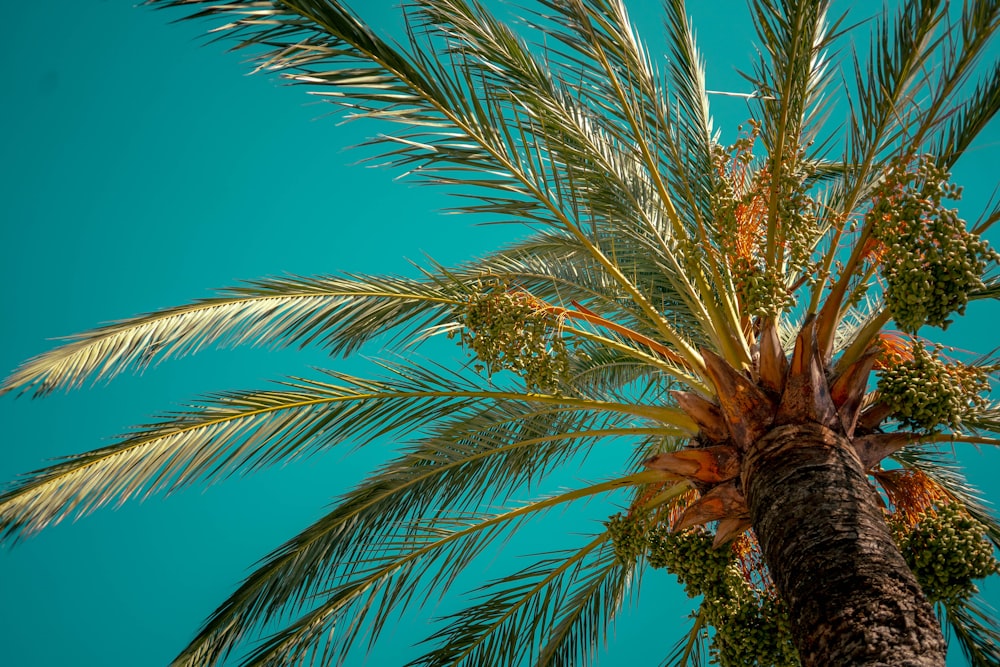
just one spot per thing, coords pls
(852, 599)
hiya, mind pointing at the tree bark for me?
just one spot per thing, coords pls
(852, 599)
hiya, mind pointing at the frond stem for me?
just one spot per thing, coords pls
(863, 340)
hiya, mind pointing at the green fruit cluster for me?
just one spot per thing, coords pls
(690, 556)
(628, 538)
(931, 262)
(751, 627)
(796, 215)
(947, 550)
(737, 211)
(507, 331)
(751, 631)
(926, 392)
(763, 294)
(742, 254)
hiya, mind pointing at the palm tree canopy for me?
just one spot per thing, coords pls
(667, 286)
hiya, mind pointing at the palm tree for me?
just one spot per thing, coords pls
(721, 308)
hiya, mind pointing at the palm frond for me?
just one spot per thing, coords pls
(966, 122)
(391, 578)
(339, 313)
(230, 432)
(613, 73)
(620, 83)
(558, 269)
(517, 612)
(460, 121)
(554, 611)
(336, 312)
(690, 650)
(467, 463)
(242, 431)
(691, 172)
(582, 622)
(899, 60)
(556, 120)
(598, 370)
(903, 47)
(694, 136)
(960, 53)
(791, 79)
(973, 624)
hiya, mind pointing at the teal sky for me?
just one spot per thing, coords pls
(143, 169)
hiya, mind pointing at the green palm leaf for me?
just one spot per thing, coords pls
(582, 622)
(690, 650)
(468, 463)
(339, 313)
(974, 626)
(392, 575)
(242, 431)
(481, 135)
(517, 611)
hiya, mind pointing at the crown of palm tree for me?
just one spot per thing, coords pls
(691, 298)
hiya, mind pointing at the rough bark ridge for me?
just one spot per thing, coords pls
(852, 599)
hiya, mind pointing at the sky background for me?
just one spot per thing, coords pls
(141, 170)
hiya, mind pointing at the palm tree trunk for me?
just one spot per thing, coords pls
(852, 599)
